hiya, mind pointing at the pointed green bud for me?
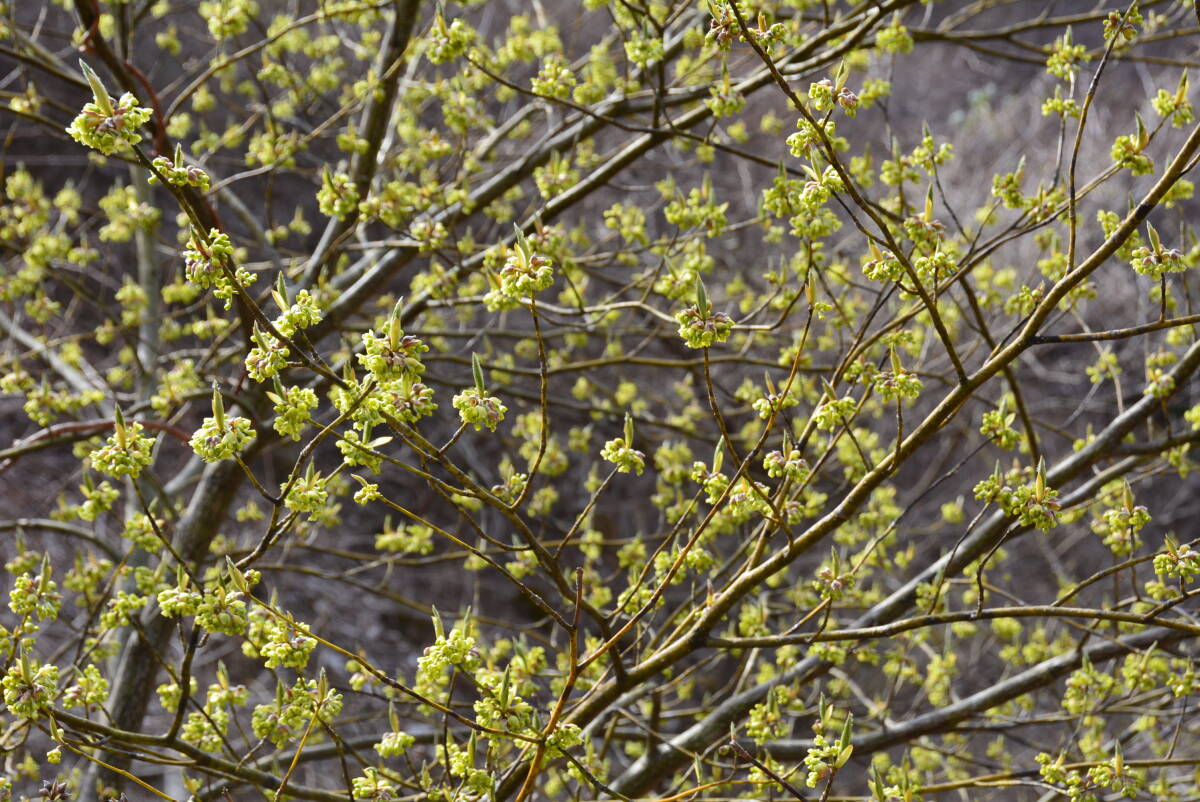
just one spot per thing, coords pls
(843, 74)
(119, 426)
(99, 93)
(477, 373)
(523, 246)
(281, 293)
(1155, 240)
(394, 330)
(505, 687)
(393, 718)
(218, 407)
(844, 739)
(236, 576)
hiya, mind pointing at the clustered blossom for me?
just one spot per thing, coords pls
(28, 686)
(126, 453)
(368, 492)
(1066, 57)
(1128, 151)
(372, 786)
(1120, 524)
(279, 642)
(524, 273)
(475, 406)
(202, 261)
(769, 719)
(895, 38)
(1179, 562)
(996, 425)
(307, 494)
(624, 456)
(394, 744)
(204, 264)
(221, 436)
(227, 18)
(724, 100)
(359, 449)
(620, 452)
(105, 126)
(180, 599)
(97, 499)
(177, 173)
(1110, 775)
(410, 539)
(833, 412)
(214, 441)
(222, 610)
(127, 214)
(268, 356)
(897, 384)
(499, 705)
(772, 403)
(206, 728)
(38, 597)
(790, 465)
(699, 210)
(286, 718)
(292, 410)
(1033, 505)
(724, 28)
(824, 94)
(1120, 25)
(454, 649)
(89, 691)
(395, 355)
(882, 266)
(447, 42)
(338, 196)
(700, 327)
(1155, 260)
(554, 79)
(479, 410)
(302, 313)
(827, 755)
(1175, 105)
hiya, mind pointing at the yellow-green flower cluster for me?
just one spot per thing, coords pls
(126, 453)
(221, 436)
(479, 410)
(28, 686)
(106, 126)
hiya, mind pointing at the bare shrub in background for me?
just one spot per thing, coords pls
(598, 401)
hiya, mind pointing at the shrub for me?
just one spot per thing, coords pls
(599, 400)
